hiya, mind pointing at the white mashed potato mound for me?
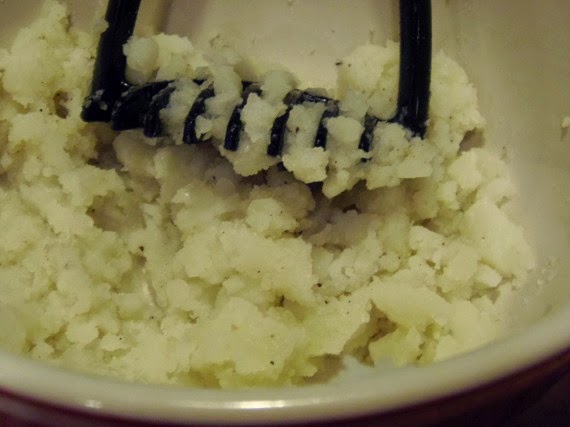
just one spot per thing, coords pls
(156, 262)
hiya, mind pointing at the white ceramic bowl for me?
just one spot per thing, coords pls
(518, 56)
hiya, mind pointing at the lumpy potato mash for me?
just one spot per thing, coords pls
(156, 262)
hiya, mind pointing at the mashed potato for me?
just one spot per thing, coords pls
(156, 262)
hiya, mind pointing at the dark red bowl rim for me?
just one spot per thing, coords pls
(510, 389)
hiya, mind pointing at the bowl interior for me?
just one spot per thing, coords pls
(517, 57)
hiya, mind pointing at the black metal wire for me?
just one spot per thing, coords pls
(415, 72)
(135, 104)
(198, 108)
(235, 125)
(415, 65)
(109, 81)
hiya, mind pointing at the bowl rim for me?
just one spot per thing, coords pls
(537, 346)
(542, 374)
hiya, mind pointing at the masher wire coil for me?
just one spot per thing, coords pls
(128, 106)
